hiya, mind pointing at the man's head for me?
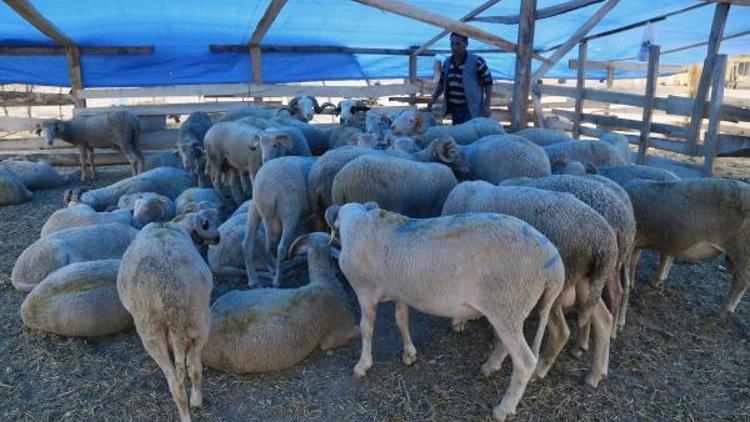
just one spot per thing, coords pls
(458, 44)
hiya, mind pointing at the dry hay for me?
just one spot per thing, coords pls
(674, 360)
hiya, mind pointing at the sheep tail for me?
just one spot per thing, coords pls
(604, 262)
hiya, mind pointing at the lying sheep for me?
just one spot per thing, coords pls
(147, 207)
(543, 136)
(78, 300)
(280, 200)
(117, 129)
(168, 296)
(618, 213)
(694, 219)
(79, 215)
(162, 159)
(596, 153)
(37, 175)
(403, 186)
(623, 174)
(190, 197)
(12, 190)
(325, 168)
(167, 181)
(588, 248)
(227, 258)
(464, 133)
(190, 145)
(506, 269)
(49, 253)
(266, 329)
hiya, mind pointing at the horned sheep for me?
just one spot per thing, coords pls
(190, 144)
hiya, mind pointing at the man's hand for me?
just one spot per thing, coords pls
(485, 112)
(430, 104)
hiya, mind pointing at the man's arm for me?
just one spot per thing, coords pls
(485, 79)
(487, 99)
(436, 94)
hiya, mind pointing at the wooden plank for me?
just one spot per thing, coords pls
(74, 70)
(60, 51)
(580, 86)
(536, 99)
(265, 22)
(521, 80)
(648, 102)
(614, 122)
(257, 66)
(14, 124)
(717, 31)
(165, 109)
(452, 25)
(574, 39)
(547, 12)
(700, 44)
(629, 66)
(149, 140)
(319, 49)
(737, 2)
(251, 90)
(714, 115)
(733, 146)
(465, 18)
(610, 75)
(27, 11)
(19, 99)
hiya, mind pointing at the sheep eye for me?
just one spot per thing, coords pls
(205, 225)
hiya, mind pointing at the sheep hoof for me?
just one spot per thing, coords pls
(459, 327)
(360, 370)
(593, 379)
(499, 413)
(410, 356)
(576, 352)
(657, 284)
(196, 398)
(488, 369)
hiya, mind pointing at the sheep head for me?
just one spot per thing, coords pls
(376, 122)
(274, 143)
(446, 151)
(304, 108)
(318, 242)
(411, 122)
(52, 129)
(201, 225)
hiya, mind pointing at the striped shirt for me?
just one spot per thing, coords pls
(454, 93)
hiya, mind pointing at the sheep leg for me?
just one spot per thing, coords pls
(614, 297)
(665, 263)
(523, 365)
(496, 359)
(234, 187)
(195, 369)
(245, 182)
(368, 303)
(248, 245)
(82, 157)
(557, 335)
(155, 342)
(90, 156)
(289, 232)
(602, 324)
(634, 259)
(402, 321)
(625, 277)
(740, 283)
(581, 331)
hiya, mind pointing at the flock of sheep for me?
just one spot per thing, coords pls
(462, 222)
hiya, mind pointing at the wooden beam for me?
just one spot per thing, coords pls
(319, 49)
(547, 12)
(717, 31)
(735, 2)
(714, 115)
(465, 18)
(403, 9)
(614, 122)
(74, 71)
(60, 51)
(24, 99)
(580, 86)
(265, 22)
(521, 80)
(27, 11)
(574, 39)
(631, 66)
(648, 102)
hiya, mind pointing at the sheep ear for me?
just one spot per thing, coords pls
(286, 140)
(371, 205)
(420, 123)
(293, 102)
(591, 169)
(38, 129)
(299, 246)
(332, 213)
(316, 105)
(446, 150)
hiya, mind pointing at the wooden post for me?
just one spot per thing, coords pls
(580, 85)
(74, 70)
(714, 42)
(648, 101)
(536, 96)
(523, 65)
(610, 75)
(257, 70)
(714, 115)
(412, 76)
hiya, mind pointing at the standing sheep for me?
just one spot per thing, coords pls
(232, 149)
(190, 144)
(166, 286)
(266, 329)
(78, 300)
(278, 142)
(49, 253)
(694, 219)
(12, 190)
(119, 130)
(403, 186)
(588, 248)
(227, 258)
(464, 133)
(596, 153)
(280, 200)
(505, 269)
(167, 181)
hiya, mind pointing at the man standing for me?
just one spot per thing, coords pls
(466, 82)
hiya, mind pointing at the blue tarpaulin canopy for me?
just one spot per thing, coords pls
(182, 31)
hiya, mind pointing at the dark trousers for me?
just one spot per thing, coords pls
(460, 116)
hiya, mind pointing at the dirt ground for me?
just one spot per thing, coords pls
(674, 360)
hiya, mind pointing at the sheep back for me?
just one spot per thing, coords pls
(167, 181)
(12, 190)
(34, 175)
(498, 157)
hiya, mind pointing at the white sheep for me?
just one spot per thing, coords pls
(49, 253)
(505, 269)
(227, 258)
(147, 207)
(268, 329)
(154, 160)
(117, 129)
(190, 197)
(232, 148)
(588, 248)
(166, 286)
(12, 190)
(596, 153)
(79, 215)
(404, 186)
(464, 133)
(167, 181)
(37, 175)
(280, 200)
(190, 145)
(623, 174)
(620, 142)
(278, 142)
(78, 300)
(543, 136)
